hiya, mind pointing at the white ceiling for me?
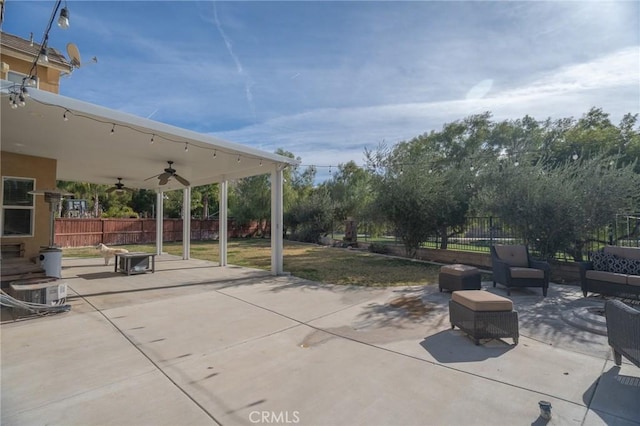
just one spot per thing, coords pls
(87, 150)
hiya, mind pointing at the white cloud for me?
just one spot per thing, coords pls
(331, 136)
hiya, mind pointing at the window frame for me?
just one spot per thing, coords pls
(31, 208)
(21, 78)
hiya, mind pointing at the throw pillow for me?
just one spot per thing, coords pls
(633, 266)
(600, 261)
(618, 265)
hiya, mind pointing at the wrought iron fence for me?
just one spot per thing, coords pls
(481, 232)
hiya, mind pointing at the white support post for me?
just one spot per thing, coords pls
(223, 220)
(186, 223)
(159, 221)
(276, 221)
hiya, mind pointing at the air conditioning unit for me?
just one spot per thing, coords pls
(46, 291)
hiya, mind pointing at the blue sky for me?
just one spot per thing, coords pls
(324, 80)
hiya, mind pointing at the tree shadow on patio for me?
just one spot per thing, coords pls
(541, 318)
(405, 310)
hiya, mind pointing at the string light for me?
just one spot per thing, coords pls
(20, 91)
(15, 99)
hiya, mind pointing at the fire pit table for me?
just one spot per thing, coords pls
(135, 263)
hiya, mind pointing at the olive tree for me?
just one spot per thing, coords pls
(559, 207)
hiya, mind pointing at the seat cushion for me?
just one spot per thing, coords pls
(513, 255)
(482, 301)
(459, 270)
(633, 280)
(607, 276)
(527, 273)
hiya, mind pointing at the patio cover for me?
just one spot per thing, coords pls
(98, 145)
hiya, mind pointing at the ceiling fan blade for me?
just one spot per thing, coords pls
(182, 180)
(163, 179)
(110, 190)
(128, 189)
(149, 178)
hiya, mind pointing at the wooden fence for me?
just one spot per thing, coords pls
(72, 232)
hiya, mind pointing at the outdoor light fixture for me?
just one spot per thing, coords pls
(43, 55)
(18, 91)
(63, 20)
(64, 116)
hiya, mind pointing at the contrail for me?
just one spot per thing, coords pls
(247, 79)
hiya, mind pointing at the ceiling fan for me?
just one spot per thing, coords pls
(119, 187)
(169, 172)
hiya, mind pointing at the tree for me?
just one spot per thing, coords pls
(143, 201)
(309, 218)
(95, 193)
(423, 186)
(559, 207)
(205, 200)
(251, 201)
(350, 192)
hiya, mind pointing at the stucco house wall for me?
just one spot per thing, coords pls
(43, 170)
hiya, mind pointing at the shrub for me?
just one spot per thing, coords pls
(379, 248)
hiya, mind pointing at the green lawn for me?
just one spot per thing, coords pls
(312, 262)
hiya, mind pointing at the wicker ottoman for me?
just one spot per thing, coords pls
(483, 315)
(459, 277)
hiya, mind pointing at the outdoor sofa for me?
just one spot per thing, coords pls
(514, 267)
(623, 331)
(612, 271)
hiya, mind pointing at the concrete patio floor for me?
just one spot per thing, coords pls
(197, 344)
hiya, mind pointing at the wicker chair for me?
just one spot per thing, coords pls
(623, 331)
(513, 267)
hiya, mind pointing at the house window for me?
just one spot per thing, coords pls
(18, 78)
(17, 207)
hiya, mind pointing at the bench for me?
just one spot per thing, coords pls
(483, 315)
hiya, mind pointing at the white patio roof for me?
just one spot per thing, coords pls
(87, 151)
